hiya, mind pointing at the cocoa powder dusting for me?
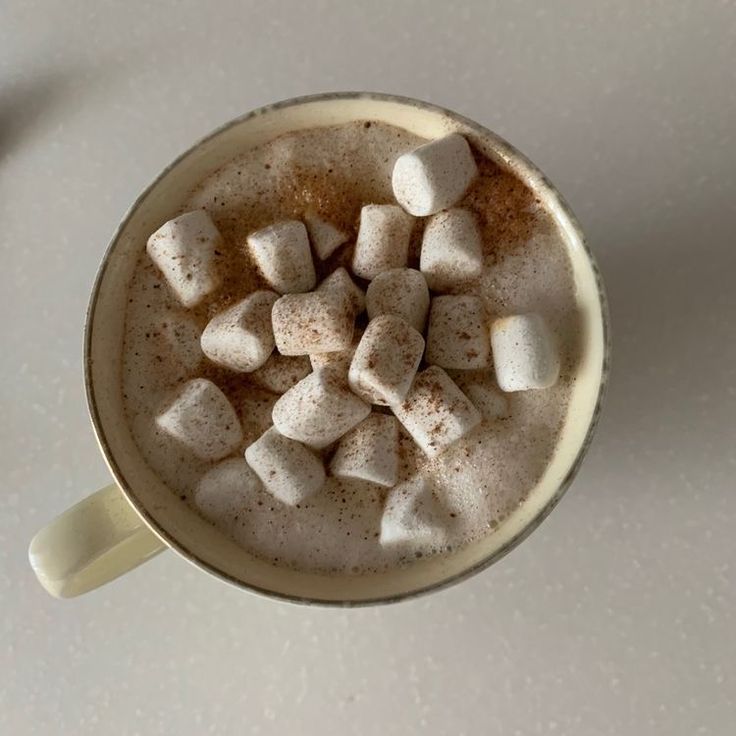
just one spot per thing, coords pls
(333, 172)
(504, 207)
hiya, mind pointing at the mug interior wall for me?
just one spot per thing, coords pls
(171, 518)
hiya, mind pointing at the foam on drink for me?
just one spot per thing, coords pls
(333, 172)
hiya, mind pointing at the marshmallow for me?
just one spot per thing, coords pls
(281, 253)
(452, 252)
(288, 470)
(241, 337)
(434, 176)
(370, 451)
(226, 491)
(400, 291)
(338, 361)
(436, 413)
(342, 286)
(280, 372)
(316, 322)
(202, 418)
(413, 517)
(385, 361)
(487, 399)
(383, 240)
(457, 336)
(185, 250)
(325, 237)
(524, 353)
(318, 410)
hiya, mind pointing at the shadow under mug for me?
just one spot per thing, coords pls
(128, 522)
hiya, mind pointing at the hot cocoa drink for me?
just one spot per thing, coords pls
(352, 347)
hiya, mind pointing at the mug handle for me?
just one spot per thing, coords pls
(90, 544)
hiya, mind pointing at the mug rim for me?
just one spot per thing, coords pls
(542, 185)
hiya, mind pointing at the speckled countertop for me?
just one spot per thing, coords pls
(617, 615)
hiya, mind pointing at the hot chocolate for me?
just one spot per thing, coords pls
(320, 435)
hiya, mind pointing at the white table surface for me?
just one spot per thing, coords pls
(617, 616)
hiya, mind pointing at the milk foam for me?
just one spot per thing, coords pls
(333, 172)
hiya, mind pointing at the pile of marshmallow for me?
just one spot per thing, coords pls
(333, 405)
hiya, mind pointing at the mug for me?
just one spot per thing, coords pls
(128, 522)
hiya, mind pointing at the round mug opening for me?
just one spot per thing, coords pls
(184, 530)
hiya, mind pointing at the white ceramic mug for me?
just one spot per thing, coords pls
(128, 522)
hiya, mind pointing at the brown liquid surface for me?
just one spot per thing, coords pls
(334, 172)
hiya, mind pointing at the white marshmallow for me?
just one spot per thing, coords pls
(385, 361)
(436, 413)
(316, 322)
(342, 286)
(318, 410)
(452, 253)
(400, 291)
(457, 336)
(434, 176)
(325, 237)
(338, 361)
(370, 451)
(288, 470)
(413, 517)
(281, 372)
(226, 491)
(184, 251)
(487, 399)
(281, 253)
(241, 337)
(202, 418)
(383, 240)
(524, 353)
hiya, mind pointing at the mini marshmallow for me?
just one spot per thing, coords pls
(185, 251)
(386, 360)
(434, 176)
(485, 397)
(288, 470)
(241, 337)
(457, 336)
(436, 413)
(338, 361)
(413, 517)
(524, 353)
(316, 322)
(202, 418)
(370, 451)
(226, 491)
(281, 253)
(383, 240)
(342, 286)
(281, 372)
(318, 410)
(400, 291)
(325, 237)
(452, 253)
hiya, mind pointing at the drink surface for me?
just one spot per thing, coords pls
(334, 171)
